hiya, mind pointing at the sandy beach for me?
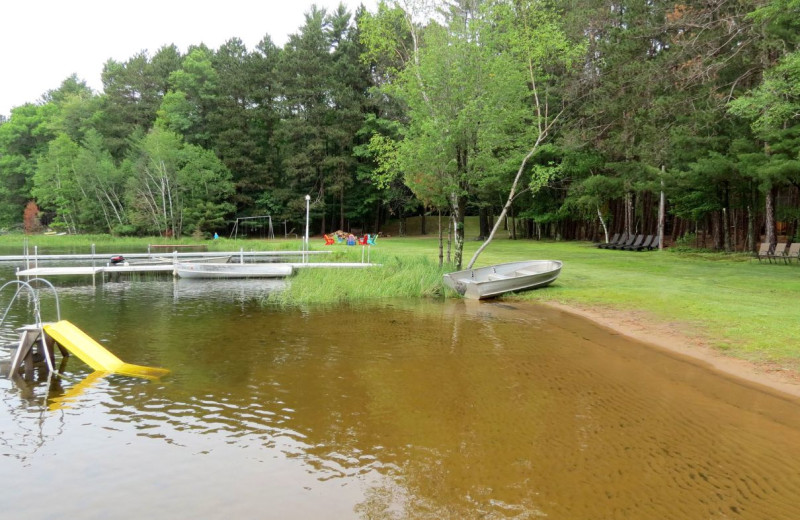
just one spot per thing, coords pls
(674, 338)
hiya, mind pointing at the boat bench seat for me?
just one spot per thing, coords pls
(526, 272)
(495, 276)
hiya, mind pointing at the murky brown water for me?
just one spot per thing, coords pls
(433, 410)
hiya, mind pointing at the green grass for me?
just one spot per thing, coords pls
(744, 307)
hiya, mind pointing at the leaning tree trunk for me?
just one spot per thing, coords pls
(511, 194)
(602, 222)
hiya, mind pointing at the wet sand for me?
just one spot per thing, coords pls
(674, 338)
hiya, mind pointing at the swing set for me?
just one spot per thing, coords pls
(261, 224)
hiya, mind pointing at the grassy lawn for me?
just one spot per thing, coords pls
(747, 308)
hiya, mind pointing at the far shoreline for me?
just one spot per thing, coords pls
(672, 338)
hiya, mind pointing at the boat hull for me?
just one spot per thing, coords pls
(262, 270)
(494, 280)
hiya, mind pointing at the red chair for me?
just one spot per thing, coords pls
(328, 240)
(363, 240)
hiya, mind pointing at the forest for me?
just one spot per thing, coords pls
(555, 119)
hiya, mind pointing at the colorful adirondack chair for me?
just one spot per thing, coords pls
(328, 240)
(371, 239)
(363, 240)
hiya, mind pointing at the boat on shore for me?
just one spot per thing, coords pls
(254, 270)
(494, 280)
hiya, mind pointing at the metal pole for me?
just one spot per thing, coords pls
(306, 248)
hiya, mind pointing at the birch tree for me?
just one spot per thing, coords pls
(175, 187)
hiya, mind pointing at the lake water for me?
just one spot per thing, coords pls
(396, 410)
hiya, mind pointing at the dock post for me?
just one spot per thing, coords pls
(241, 255)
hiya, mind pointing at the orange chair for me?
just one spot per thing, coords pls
(328, 240)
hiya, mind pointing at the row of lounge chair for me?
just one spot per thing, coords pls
(782, 251)
(626, 242)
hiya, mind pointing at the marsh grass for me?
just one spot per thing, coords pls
(397, 276)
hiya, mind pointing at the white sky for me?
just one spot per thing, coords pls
(42, 42)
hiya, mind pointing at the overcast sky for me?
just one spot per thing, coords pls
(42, 42)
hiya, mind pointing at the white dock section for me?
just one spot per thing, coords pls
(56, 271)
(37, 272)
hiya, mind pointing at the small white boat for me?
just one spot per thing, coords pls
(255, 270)
(493, 280)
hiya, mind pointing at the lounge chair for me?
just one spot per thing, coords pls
(779, 253)
(764, 251)
(328, 240)
(619, 241)
(636, 243)
(654, 243)
(614, 240)
(627, 242)
(644, 245)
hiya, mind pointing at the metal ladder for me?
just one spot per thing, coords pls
(33, 344)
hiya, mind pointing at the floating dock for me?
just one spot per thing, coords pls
(150, 263)
(38, 272)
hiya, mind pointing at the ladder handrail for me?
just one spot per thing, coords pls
(21, 285)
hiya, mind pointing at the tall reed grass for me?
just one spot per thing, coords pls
(397, 276)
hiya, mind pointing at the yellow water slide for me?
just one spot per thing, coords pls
(95, 355)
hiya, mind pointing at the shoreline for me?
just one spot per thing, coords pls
(673, 338)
